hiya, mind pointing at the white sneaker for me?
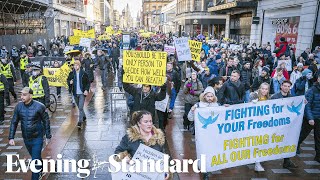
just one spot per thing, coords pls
(258, 167)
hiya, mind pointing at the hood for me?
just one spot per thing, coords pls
(207, 90)
(157, 137)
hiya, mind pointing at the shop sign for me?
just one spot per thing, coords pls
(288, 30)
(280, 21)
(224, 6)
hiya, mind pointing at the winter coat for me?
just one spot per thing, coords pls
(230, 94)
(223, 71)
(259, 80)
(101, 62)
(277, 83)
(280, 96)
(46, 88)
(202, 104)
(246, 77)
(284, 71)
(84, 81)
(34, 121)
(312, 109)
(197, 87)
(294, 76)
(131, 141)
(299, 88)
(89, 70)
(175, 78)
(147, 102)
(282, 47)
(205, 79)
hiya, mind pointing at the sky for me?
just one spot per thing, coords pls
(134, 6)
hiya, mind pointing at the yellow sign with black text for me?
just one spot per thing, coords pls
(195, 48)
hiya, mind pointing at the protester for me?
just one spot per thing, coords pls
(264, 77)
(302, 84)
(285, 93)
(80, 86)
(277, 80)
(101, 62)
(226, 71)
(296, 74)
(57, 65)
(232, 91)
(246, 78)
(115, 57)
(88, 65)
(34, 125)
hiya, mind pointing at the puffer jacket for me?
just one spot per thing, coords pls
(299, 87)
(198, 89)
(34, 121)
(312, 109)
(131, 141)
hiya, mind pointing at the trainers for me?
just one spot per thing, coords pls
(258, 167)
(79, 125)
(289, 164)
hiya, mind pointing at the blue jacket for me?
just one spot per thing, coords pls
(206, 48)
(300, 85)
(214, 67)
(312, 109)
(277, 83)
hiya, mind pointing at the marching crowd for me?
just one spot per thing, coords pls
(224, 76)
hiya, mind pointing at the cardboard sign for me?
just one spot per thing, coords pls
(162, 105)
(126, 41)
(182, 49)
(68, 48)
(144, 67)
(85, 42)
(169, 49)
(195, 48)
(73, 40)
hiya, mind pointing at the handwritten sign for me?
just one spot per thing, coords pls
(68, 48)
(162, 105)
(195, 48)
(182, 49)
(287, 62)
(169, 49)
(85, 42)
(144, 67)
(74, 40)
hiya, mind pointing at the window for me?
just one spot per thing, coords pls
(197, 5)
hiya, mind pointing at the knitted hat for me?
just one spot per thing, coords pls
(209, 90)
(266, 69)
(306, 71)
(218, 56)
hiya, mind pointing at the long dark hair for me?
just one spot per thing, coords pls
(137, 116)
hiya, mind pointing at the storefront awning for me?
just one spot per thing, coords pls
(232, 5)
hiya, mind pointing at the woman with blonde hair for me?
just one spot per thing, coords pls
(262, 94)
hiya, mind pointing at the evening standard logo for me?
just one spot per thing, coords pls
(295, 109)
(207, 121)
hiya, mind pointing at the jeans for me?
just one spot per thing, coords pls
(79, 98)
(34, 147)
(247, 97)
(104, 77)
(305, 131)
(187, 108)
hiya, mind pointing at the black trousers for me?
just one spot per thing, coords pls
(115, 62)
(1, 106)
(305, 131)
(11, 90)
(187, 108)
(163, 119)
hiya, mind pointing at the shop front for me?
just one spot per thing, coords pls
(240, 27)
(205, 26)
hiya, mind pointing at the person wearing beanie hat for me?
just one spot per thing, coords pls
(296, 74)
(246, 78)
(303, 83)
(264, 77)
(80, 84)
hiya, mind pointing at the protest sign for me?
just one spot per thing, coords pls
(46, 62)
(234, 47)
(85, 42)
(68, 48)
(213, 42)
(247, 133)
(90, 34)
(77, 32)
(144, 67)
(195, 48)
(126, 41)
(50, 74)
(62, 74)
(144, 153)
(169, 49)
(182, 49)
(162, 105)
(74, 40)
(288, 64)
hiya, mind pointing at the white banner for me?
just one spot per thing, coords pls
(68, 48)
(288, 64)
(248, 133)
(85, 42)
(169, 49)
(162, 105)
(182, 49)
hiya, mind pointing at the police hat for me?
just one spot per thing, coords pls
(36, 67)
(29, 65)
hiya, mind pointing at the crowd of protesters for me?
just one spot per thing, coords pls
(224, 76)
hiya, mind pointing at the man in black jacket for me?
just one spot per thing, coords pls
(34, 125)
(232, 91)
(102, 64)
(285, 93)
(246, 78)
(115, 52)
(4, 87)
(264, 77)
(80, 85)
(174, 75)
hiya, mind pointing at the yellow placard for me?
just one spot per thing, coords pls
(109, 30)
(144, 67)
(195, 48)
(57, 76)
(74, 40)
(104, 37)
(90, 34)
(77, 32)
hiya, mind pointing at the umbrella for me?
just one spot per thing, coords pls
(73, 52)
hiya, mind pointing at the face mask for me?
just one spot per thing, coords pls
(309, 76)
(34, 73)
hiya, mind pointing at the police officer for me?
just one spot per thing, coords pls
(24, 60)
(3, 90)
(14, 55)
(40, 86)
(7, 69)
